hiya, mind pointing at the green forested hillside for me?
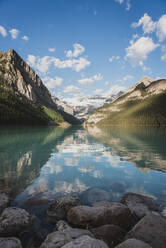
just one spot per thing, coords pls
(16, 109)
(24, 99)
(149, 111)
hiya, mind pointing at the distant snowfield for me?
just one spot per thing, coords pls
(95, 101)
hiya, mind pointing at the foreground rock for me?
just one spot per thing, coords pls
(139, 205)
(91, 196)
(133, 243)
(10, 243)
(110, 234)
(163, 212)
(86, 242)
(14, 221)
(151, 229)
(101, 214)
(35, 236)
(4, 201)
(58, 209)
(64, 235)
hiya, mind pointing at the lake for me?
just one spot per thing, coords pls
(43, 163)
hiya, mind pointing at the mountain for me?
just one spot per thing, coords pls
(23, 97)
(62, 106)
(82, 107)
(142, 104)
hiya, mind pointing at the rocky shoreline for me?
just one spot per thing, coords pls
(137, 221)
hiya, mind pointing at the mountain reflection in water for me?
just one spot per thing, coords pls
(48, 162)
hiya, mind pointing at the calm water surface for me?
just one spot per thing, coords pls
(44, 163)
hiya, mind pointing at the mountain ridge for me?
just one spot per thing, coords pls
(25, 87)
(142, 104)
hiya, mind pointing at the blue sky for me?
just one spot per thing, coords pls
(87, 47)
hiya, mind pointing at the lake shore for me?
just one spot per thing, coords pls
(135, 220)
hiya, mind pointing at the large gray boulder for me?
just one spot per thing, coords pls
(91, 196)
(86, 242)
(65, 235)
(151, 229)
(101, 214)
(4, 201)
(59, 208)
(110, 234)
(14, 221)
(140, 205)
(133, 243)
(10, 243)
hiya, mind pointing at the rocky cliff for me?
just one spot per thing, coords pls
(142, 104)
(19, 77)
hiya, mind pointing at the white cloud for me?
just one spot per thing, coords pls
(106, 83)
(128, 5)
(51, 49)
(78, 50)
(3, 31)
(135, 36)
(115, 89)
(111, 59)
(71, 89)
(14, 33)
(98, 91)
(138, 51)
(147, 69)
(147, 24)
(125, 79)
(75, 64)
(161, 28)
(163, 57)
(41, 64)
(91, 80)
(31, 60)
(51, 83)
(127, 2)
(119, 1)
(26, 38)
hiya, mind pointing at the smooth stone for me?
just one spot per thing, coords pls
(59, 208)
(139, 205)
(14, 221)
(35, 201)
(133, 243)
(110, 234)
(10, 243)
(61, 225)
(85, 242)
(4, 201)
(59, 238)
(101, 214)
(151, 229)
(91, 196)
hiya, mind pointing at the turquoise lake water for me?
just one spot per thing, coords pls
(45, 163)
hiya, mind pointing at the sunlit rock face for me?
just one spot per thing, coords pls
(143, 90)
(24, 79)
